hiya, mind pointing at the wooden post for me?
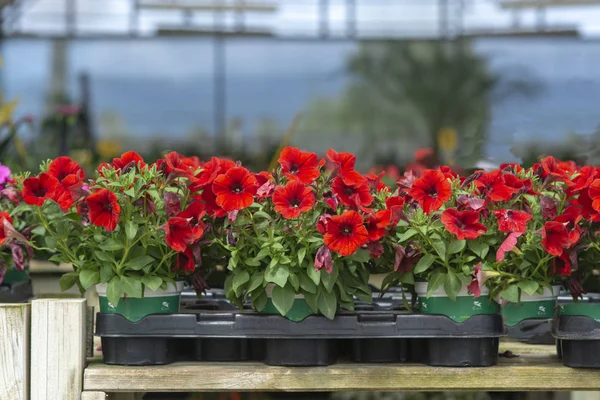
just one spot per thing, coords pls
(58, 339)
(14, 351)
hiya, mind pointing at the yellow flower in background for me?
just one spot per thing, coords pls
(6, 111)
(108, 149)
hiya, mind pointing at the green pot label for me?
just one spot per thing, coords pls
(514, 313)
(591, 310)
(134, 309)
(299, 311)
(460, 310)
(14, 275)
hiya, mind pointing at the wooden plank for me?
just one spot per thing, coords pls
(521, 373)
(58, 338)
(93, 396)
(206, 6)
(547, 3)
(14, 351)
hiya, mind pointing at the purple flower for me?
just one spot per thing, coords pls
(4, 175)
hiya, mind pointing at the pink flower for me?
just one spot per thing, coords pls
(4, 175)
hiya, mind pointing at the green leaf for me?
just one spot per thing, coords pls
(314, 275)
(278, 275)
(424, 263)
(130, 192)
(106, 273)
(262, 214)
(252, 262)
(152, 282)
(312, 299)
(511, 294)
(480, 249)
(131, 229)
(132, 286)
(50, 242)
(327, 304)
(328, 280)
(529, 287)
(139, 263)
(111, 245)
(452, 285)
(113, 291)
(283, 298)
(294, 281)
(68, 280)
(361, 256)
(406, 235)
(89, 277)
(440, 248)
(307, 284)
(102, 256)
(391, 279)
(256, 280)
(301, 255)
(407, 278)
(238, 282)
(262, 254)
(436, 281)
(259, 302)
(456, 246)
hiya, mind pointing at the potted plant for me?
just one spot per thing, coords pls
(441, 243)
(297, 238)
(133, 232)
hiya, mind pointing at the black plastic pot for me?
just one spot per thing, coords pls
(578, 340)
(300, 352)
(16, 292)
(532, 331)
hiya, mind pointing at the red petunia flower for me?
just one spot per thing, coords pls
(185, 261)
(585, 177)
(558, 171)
(265, 185)
(63, 166)
(376, 224)
(354, 196)
(300, 165)
(556, 238)
(396, 206)
(586, 203)
(104, 209)
(130, 158)
(37, 190)
(512, 220)
(447, 171)
(181, 234)
(493, 185)
(293, 199)
(344, 164)
(4, 216)
(235, 189)
(345, 233)
(511, 167)
(194, 213)
(431, 190)
(375, 182)
(521, 186)
(594, 194)
(210, 203)
(561, 265)
(463, 224)
(209, 172)
(102, 167)
(181, 166)
(72, 190)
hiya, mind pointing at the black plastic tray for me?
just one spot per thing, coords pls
(532, 331)
(578, 340)
(368, 337)
(16, 292)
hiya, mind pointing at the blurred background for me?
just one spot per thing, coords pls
(470, 83)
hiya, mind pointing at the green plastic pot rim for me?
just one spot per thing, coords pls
(421, 289)
(548, 294)
(170, 291)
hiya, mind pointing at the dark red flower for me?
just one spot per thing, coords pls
(556, 238)
(447, 171)
(331, 201)
(104, 209)
(194, 212)
(375, 182)
(493, 185)
(474, 287)
(235, 189)
(181, 234)
(210, 171)
(210, 203)
(594, 194)
(181, 166)
(4, 216)
(587, 209)
(346, 233)
(300, 165)
(72, 190)
(561, 265)
(396, 206)
(185, 261)
(512, 220)
(406, 181)
(37, 190)
(323, 260)
(556, 170)
(102, 167)
(511, 168)
(293, 199)
(61, 167)
(322, 223)
(465, 201)
(376, 224)
(344, 164)
(354, 196)
(172, 203)
(375, 249)
(128, 159)
(431, 190)
(463, 224)
(585, 177)
(521, 186)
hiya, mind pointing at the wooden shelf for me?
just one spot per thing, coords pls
(534, 368)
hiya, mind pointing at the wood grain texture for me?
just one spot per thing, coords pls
(533, 370)
(93, 396)
(58, 338)
(14, 351)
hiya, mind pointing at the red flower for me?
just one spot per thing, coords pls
(448, 173)
(71, 192)
(4, 216)
(293, 199)
(585, 177)
(265, 185)
(194, 213)
(209, 173)
(562, 265)
(508, 167)
(375, 181)
(322, 223)
(37, 190)
(558, 171)
(586, 204)
(463, 224)
(210, 203)
(104, 209)
(323, 260)
(494, 186)
(185, 261)
(102, 167)
(235, 189)
(396, 206)
(180, 233)
(345, 233)
(344, 163)
(300, 165)
(377, 223)
(475, 286)
(594, 193)
(519, 185)
(181, 166)
(61, 167)
(431, 190)
(512, 220)
(556, 238)
(130, 158)
(355, 196)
